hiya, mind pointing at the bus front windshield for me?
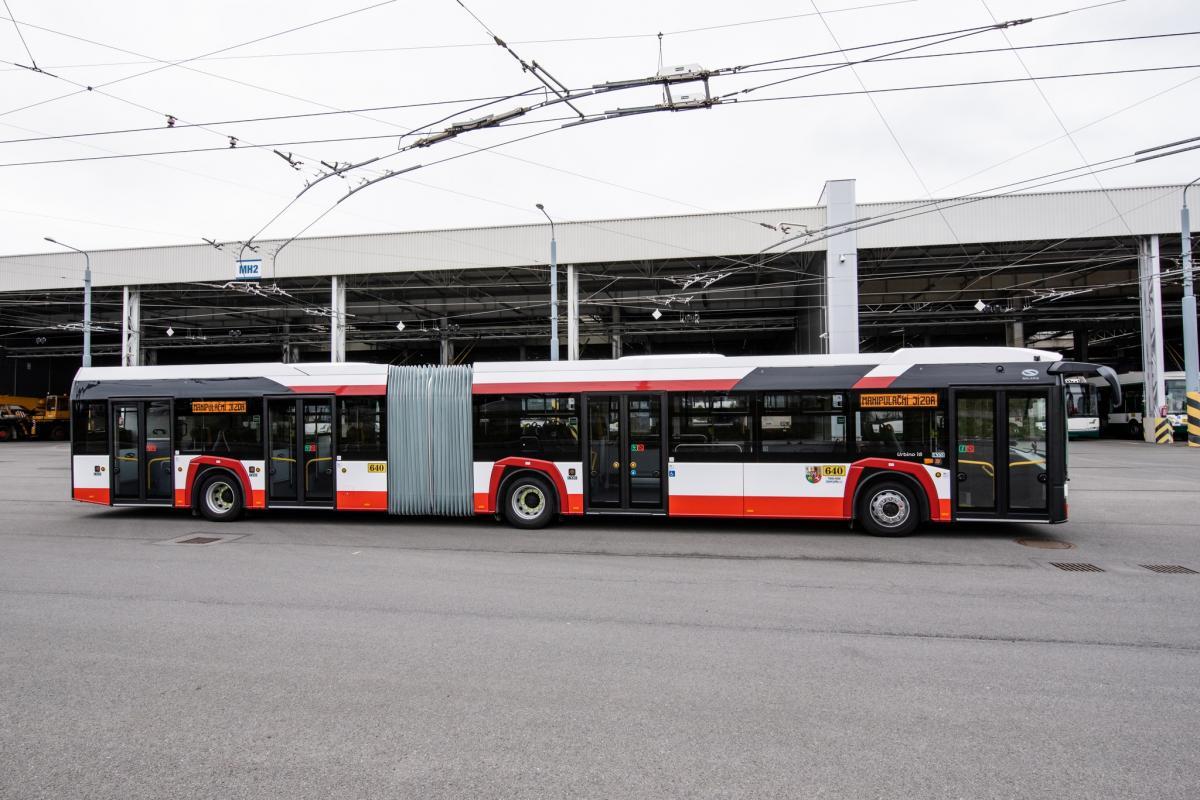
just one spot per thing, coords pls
(1176, 396)
(1081, 400)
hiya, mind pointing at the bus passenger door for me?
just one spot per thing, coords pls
(1006, 455)
(300, 464)
(625, 452)
(282, 452)
(142, 451)
(317, 455)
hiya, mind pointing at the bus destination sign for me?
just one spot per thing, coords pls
(218, 406)
(902, 400)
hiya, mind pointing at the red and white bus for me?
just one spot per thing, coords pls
(888, 441)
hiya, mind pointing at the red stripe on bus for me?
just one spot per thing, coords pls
(362, 501)
(649, 385)
(795, 507)
(704, 506)
(99, 496)
(342, 389)
(877, 382)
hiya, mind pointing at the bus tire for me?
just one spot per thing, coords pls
(888, 508)
(220, 498)
(529, 502)
(1135, 428)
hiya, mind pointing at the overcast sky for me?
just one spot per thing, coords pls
(732, 157)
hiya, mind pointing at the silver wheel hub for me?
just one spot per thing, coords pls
(528, 501)
(219, 497)
(890, 509)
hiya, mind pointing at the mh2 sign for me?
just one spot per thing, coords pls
(249, 269)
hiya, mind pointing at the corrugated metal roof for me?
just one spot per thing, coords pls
(1137, 211)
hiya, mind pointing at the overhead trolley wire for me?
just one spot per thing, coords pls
(429, 103)
(179, 62)
(462, 45)
(816, 95)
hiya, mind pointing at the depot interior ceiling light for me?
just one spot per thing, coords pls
(656, 314)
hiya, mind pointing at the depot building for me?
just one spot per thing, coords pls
(1094, 274)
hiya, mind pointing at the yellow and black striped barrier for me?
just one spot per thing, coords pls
(1164, 433)
(1193, 419)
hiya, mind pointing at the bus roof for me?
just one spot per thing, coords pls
(914, 367)
(316, 373)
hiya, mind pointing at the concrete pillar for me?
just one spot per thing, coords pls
(1014, 333)
(841, 268)
(337, 321)
(131, 327)
(616, 332)
(1080, 335)
(810, 336)
(447, 346)
(572, 313)
(1150, 293)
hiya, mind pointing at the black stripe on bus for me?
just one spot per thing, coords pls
(830, 377)
(177, 388)
(930, 376)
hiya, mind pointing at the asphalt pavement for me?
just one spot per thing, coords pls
(321, 655)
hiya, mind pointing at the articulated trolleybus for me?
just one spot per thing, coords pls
(888, 441)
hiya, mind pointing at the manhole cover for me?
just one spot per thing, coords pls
(202, 539)
(1170, 569)
(1067, 566)
(1045, 544)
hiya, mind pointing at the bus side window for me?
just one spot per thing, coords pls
(362, 428)
(711, 427)
(90, 431)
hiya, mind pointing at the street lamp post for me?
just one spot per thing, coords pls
(1191, 360)
(553, 287)
(87, 300)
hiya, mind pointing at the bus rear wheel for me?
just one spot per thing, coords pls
(888, 508)
(220, 498)
(529, 502)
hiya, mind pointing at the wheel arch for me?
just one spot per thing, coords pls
(511, 474)
(504, 469)
(875, 475)
(202, 472)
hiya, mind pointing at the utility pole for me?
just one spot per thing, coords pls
(553, 287)
(1191, 361)
(87, 300)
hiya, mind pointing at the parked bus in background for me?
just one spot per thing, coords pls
(886, 441)
(1083, 413)
(1125, 418)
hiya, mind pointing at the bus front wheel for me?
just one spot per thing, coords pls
(529, 502)
(220, 498)
(1135, 429)
(888, 508)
